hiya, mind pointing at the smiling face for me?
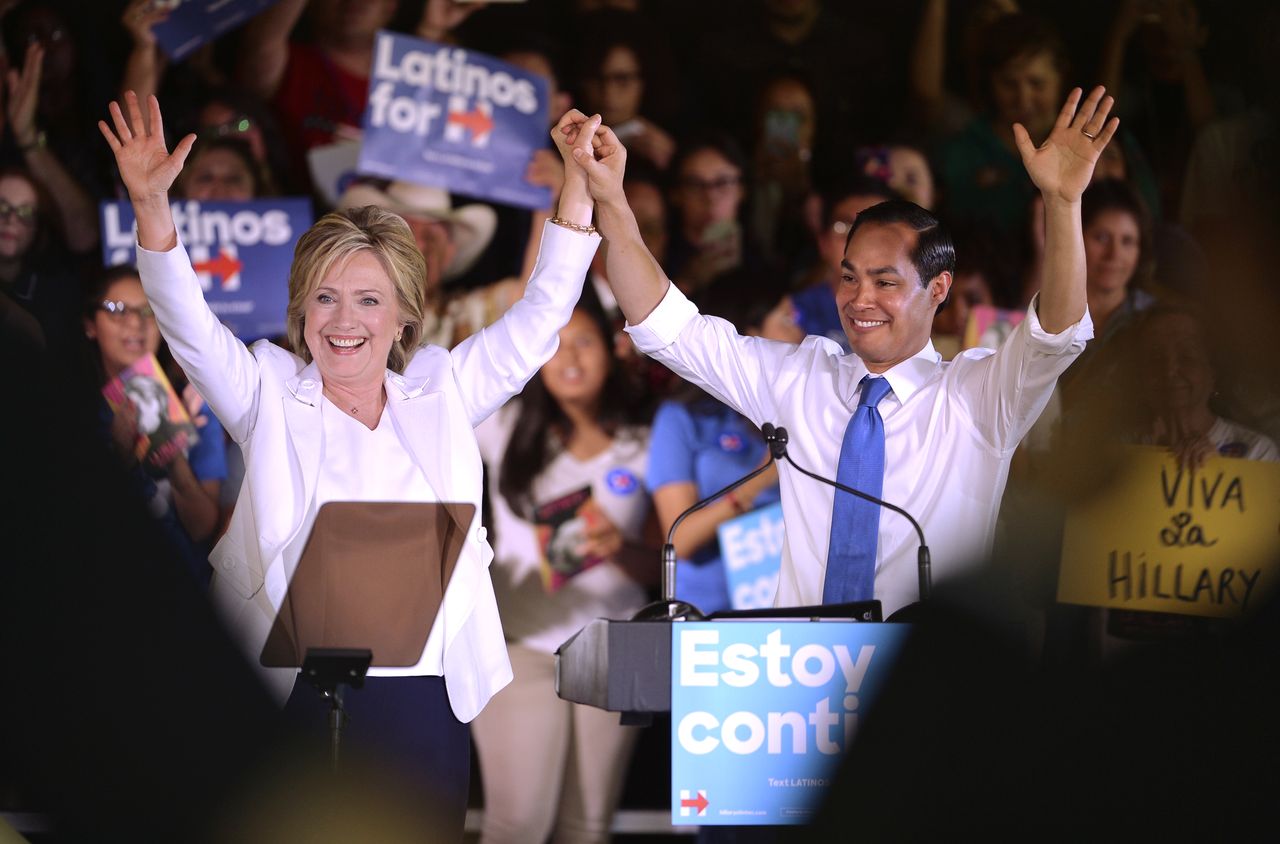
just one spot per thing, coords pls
(351, 319)
(124, 336)
(885, 312)
(1112, 248)
(576, 373)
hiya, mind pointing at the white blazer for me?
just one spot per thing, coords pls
(269, 402)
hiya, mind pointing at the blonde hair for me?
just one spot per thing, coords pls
(335, 239)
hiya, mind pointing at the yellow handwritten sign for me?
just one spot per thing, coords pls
(1167, 539)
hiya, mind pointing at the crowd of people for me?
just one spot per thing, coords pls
(755, 136)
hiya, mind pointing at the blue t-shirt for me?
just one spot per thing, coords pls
(816, 313)
(709, 445)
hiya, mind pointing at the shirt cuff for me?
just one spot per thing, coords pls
(1078, 334)
(664, 324)
(160, 263)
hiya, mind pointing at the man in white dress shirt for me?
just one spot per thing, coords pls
(950, 429)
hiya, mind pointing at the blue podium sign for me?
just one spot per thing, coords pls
(751, 547)
(763, 711)
(241, 252)
(457, 119)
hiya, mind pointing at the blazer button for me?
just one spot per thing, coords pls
(481, 534)
(227, 565)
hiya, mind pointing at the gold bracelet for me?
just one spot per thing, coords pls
(573, 226)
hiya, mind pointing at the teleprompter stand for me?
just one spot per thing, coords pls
(365, 593)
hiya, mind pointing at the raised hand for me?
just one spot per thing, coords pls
(147, 168)
(138, 19)
(1062, 166)
(600, 155)
(24, 96)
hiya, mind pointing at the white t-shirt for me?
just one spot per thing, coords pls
(358, 464)
(531, 615)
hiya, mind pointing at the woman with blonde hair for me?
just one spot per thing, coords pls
(357, 411)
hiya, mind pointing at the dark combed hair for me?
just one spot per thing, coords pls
(542, 427)
(934, 252)
(857, 184)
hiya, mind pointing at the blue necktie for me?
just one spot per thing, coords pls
(855, 524)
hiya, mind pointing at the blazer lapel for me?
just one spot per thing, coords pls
(306, 431)
(418, 415)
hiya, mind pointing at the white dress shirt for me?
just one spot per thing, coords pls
(950, 431)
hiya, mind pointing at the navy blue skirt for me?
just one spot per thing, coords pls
(408, 727)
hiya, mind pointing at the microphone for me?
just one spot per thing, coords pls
(669, 609)
(777, 439)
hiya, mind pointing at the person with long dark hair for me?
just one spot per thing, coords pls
(567, 484)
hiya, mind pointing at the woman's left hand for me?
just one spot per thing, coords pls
(1062, 166)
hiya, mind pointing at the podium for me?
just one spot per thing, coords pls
(763, 703)
(625, 666)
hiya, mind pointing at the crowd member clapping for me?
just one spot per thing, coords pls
(44, 107)
(566, 480)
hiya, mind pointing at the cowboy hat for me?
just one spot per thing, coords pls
(471, 226)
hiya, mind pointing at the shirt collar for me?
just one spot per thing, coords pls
(905, 378)
(307, 386)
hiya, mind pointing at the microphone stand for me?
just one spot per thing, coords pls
(670, 609)
(777, 439)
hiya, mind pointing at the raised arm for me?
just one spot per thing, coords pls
(1061, 168)
(146, 64)
(222, 369)
(495, 363)
(264, 52)
(75, 207)
(628, 258)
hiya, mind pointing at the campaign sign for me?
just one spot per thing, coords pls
(763, 711)
(751, 547)
(454, 118)
(241, 252)
(193, 23)
(1167, 538)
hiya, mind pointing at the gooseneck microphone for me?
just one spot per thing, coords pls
(669, 609)
(777, 439)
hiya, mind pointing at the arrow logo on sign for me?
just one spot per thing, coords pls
(477, 122)
(700, 803)
(224, 266)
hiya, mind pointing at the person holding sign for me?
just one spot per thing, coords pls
(358, 412)
(935, 438)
